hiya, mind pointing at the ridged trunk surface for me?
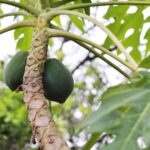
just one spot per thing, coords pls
(43, 126)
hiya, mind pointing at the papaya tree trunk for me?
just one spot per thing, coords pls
(43, 126)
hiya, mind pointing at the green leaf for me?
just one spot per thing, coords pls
(78, 23)
(124, 112)
(117, 13)
(57, 20)
(87, 10)
(145, 63)
(147, 36)
(123, 21)
(24, 37)
(147, 20)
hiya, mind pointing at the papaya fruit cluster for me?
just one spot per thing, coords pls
(57, 81)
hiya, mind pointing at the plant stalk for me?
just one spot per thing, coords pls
(58, 33)
(14, 14)
(100, 25)
(92, 50)
(103, 58)
(83, 5)
(26, 23)
(29, 9)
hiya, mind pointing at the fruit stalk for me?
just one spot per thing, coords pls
(43, 126)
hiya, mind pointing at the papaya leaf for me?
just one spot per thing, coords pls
(87, 10)
(116, 13)
(57, 20)
(147, 37)
(78, 23)
(134, 39)
(147, 19)
(124, 112)
(145, 63)
(24, 38)
(123, 21)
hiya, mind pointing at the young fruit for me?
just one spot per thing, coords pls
(13, 72)
(57, 81)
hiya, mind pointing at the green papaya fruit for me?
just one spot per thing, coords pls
(13, 72)
(57, 81)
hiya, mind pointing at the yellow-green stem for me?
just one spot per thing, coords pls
(84, 5)
(104, 59)
(26, 23)
(58, 33)
(53, 13)
(27, 8)
(14, 14)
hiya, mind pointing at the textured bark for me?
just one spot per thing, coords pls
(43, 126)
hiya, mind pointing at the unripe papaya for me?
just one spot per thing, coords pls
(57, 81)
(13, 72)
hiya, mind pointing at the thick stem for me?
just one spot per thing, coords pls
(44, 128)
(59, 33)
(29, 9)
(26, 23)
(100, 25)
(83, 5)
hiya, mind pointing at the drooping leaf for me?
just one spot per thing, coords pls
(124, 112)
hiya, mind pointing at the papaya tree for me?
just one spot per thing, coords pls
(123, 113)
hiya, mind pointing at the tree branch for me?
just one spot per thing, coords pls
(87, 58)
(29, 9)
(58, 33)
(83, 5)
(53, 13)
(26, 23)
